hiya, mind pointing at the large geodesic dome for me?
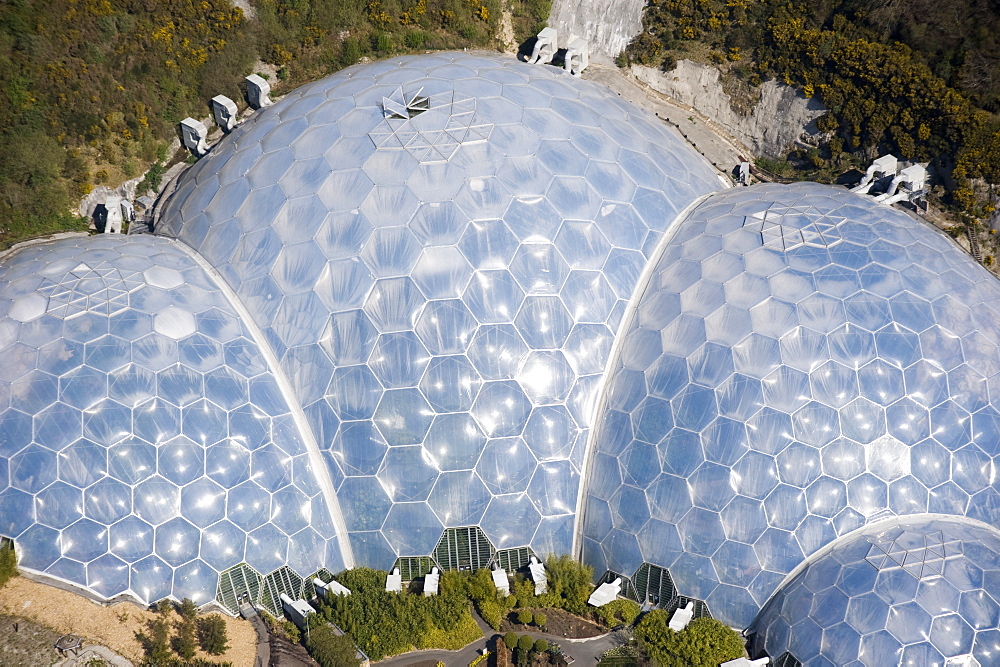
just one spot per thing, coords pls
(440, 249)
(145, 444)
(801, 362)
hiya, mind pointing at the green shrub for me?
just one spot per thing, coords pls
(382, 42)
(705, 642)
(212, 636)
(620, 611)
(570, 584)
(510, 639)
(541, 646)
(525, 643)
(540, 619)
(524, 616)
(330, 650)
(491, 613)
(8, 562)
(415, 39)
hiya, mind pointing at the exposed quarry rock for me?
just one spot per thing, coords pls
(607, 25)
(782, 116)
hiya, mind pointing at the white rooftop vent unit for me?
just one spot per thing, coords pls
(193, 134)
(325, 590)
(225, 112)
(296, 610)
(681, 617)
(258, 92)
(908, 184)
(577, 56)
(538, 576)
(394, 582)
(113, 222)
(501, 581)
(545, 47)
(744, 173)
(883, 166)
(605, 593)
(431, 582)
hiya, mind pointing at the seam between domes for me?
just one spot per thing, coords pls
(320, 471)
(641, 287)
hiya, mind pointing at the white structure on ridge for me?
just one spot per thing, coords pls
(194, 133)
(113, 221)
(545, 47)
(681, 617)
(394, 582)
(225, 112)
(605, 593)
(908, 184)
(577, 56)
(538, 575)
(334, 587)
(883, 166)
(431, 583)
(296, 610)
(744, 171)
(746, 662)
(258, 92)
(501, 581)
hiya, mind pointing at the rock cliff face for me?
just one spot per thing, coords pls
(781, 117)
(608, 25)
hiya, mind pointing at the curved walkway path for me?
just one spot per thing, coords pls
(585, 651)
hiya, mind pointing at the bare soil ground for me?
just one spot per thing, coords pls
(112, 626)
(25, 643)
(558, 623)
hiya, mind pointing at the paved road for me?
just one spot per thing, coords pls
(712, 142)
(585, 651)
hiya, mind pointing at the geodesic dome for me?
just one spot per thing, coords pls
(439, 249)
(911, 591)
(145, 444)
(801, 362)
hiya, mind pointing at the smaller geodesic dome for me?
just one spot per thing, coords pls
(145, 446)
(801, 362)
(913, 591)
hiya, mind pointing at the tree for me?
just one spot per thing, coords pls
(188, 610)
(331, 650)
(184, 643)
(510, 639)
(541, 646)
(524, 616)
(154, 641)
(212, 636)
(570, 583)
(525, 642)
(8, 562)
(540, 619)
(502, 652)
